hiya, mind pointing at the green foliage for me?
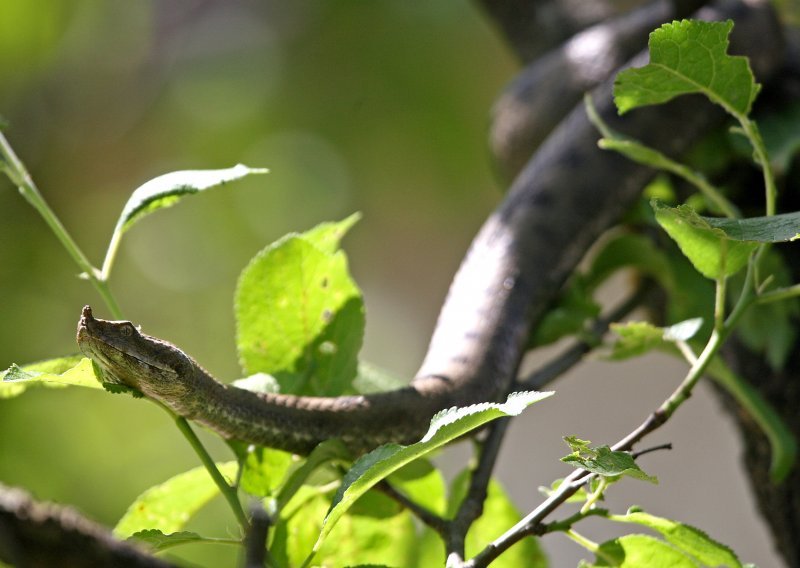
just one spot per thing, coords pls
(158, 541)
(299, 315)
(709, 248)
(638, 551)
(689, 540)
(638, 337)
(603, 461)
(168, 506)
(499, 512)
(689, 57)
(445, 427)
(61, 372)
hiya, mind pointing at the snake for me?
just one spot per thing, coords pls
(567, 194)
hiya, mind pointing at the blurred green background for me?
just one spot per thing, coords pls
(379, 107)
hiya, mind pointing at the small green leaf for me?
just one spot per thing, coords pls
(708, 248)
(689, 57)
(169, 505)
(299, 315)
(638, 337)
(686, 538)
(603, 461)
(168, 189)
(640, 551)
(159, 541)
(445, 427)
(61, 372)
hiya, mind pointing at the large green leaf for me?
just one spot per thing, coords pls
(73, 370)
(168, 506)
(263, 470)
(445, 427)
(689, 57)
(686, 538)
(377, 533)
(299, 315)
(710, 250)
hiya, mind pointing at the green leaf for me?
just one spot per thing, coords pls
(640, 551)
(499, 513)
(169, 505)
(166, 190)
(159, 541)
(774, 229)
(603, 461)
(323, 454)
(299, 315)
(638, 337)
(689, 57)
(423, 483)
(686, 538)
(783, 444)
(709, 248)
(327, 235)
(61, 372)
(361, 538)
(445, 427)
(263, 470)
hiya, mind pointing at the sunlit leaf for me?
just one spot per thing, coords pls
(263, 470)
(686, 538)
(169, 505)
(445, 427)
(689, 57)
(640, 551)
(602, 460)
(166, 190)
(300, 316)
(73, 370)
(636, 338)
(709, 248)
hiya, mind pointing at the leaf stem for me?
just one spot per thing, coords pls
(589, 545)
(13, 167)
(228, 492)
(759, 149)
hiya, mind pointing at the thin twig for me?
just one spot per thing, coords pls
(658, 448)
(434, 521)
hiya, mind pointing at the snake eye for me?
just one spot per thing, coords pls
(127, 330)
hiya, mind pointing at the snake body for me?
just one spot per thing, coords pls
(562, 200)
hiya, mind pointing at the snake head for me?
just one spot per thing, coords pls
(128, 357)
